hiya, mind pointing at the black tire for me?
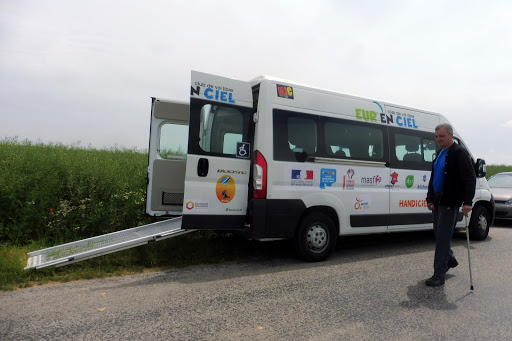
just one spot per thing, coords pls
(479, 223)
(316, 237)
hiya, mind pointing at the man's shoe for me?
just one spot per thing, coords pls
(452, 263)
(435, 281)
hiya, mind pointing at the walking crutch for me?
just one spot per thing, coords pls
(469, 254)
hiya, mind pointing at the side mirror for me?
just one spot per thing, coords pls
(480, 168)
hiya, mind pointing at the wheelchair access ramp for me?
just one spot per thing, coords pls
(104, 244)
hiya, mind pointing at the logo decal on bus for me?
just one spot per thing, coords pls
(423, 186)
(327, 177)
(362, 203)
(284, 91)
(197, 205)
(394, 178)
(225, 189)
(213, 92)
(301, 177)
(400, 119)
(348, 184)
(376, 179)
(409, 181)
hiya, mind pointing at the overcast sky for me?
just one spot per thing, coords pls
(84, 71)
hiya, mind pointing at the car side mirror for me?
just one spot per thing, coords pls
(480, 168)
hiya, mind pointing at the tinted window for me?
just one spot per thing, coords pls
(350, 140)
(411, 149)
(295, 136)
(302, 134)
(298, 137)
(216, 129)
(217, 123)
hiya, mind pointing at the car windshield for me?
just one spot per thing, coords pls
(501, 180)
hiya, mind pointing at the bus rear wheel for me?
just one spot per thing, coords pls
(316, 237)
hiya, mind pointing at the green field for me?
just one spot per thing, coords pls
(52, 193)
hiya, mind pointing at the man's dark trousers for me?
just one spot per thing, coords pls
(445, 218)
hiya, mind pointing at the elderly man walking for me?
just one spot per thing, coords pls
(452, 184)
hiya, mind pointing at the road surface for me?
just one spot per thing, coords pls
(372, 288)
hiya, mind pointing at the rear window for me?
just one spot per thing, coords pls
(217, 129)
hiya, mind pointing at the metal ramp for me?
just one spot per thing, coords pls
(104, 244)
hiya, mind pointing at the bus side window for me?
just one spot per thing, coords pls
(412, 149)
(408, 148)
(295, 135)
(429, 150)
(302, 135)
(353, 140)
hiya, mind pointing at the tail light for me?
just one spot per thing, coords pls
(260, 176)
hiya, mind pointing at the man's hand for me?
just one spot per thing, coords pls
(430, 206)
(466, 209)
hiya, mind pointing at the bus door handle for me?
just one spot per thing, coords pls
(202, 167)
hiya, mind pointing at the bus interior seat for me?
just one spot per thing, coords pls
(412, 153)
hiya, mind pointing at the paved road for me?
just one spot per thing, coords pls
(370, 289)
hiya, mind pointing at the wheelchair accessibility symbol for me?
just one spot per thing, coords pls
(243, 149)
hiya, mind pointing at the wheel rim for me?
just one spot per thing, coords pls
(317, 238)
(482, 223)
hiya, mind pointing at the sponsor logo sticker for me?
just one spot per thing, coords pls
(394, 178)
(393, 181)
(197, 205)
(301, 177)
(409, 181)
(225, 189)
(371, 180)
(348, 182)
(362, 203)
(284, 91)
(327, 177)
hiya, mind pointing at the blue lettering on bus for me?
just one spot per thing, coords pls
(207, 93)
(222, 96)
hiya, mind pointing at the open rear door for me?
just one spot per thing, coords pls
(219, 153)
(167, 157)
